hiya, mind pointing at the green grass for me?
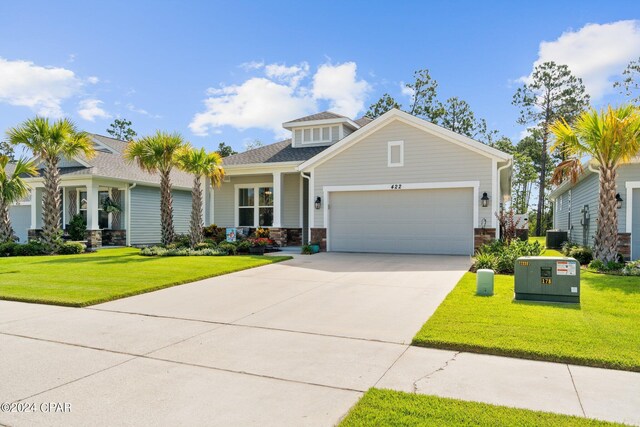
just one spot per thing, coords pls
(602, 331)
(393, 408)
(81, 280)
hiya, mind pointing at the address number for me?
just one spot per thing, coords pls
(546, 281)
(396, 186)
(524, 263)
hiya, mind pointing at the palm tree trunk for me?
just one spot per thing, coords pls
(606, 239)
(51, 231)
(166, 208)
(6, 231)
(196, 212)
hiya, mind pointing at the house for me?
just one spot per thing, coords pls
(85, 184)
(575, 208)
(394, 184)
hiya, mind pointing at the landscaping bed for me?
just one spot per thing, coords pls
(393, 408)
(86, 279)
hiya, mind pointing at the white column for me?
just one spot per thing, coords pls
(277, 199)
(92, 206)
(34, 207)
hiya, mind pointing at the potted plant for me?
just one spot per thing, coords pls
(258, 245)
(315, 247)
(110, 206)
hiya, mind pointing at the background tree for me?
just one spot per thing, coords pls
(553, 92)
(121, 129)
(49, 142)
(158, 154)
(200, 164)
(611, 137)
(424, 97)
(629, 85)
(226, 150)
(252, 145)
(6, 149)
(384, 104)
(13, 188)
(458, 117)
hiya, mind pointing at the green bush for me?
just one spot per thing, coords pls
(228, 247)
(596, 265)
(205, 245)
(213, 232)
(243, 246)
(77, 228)
(306, 250)
(483, 260)
(583, 254)
(501, 257)
(8, 249)
(160, 251)
(31, 248)
(614, 266)
(631, 269)
(567, 247)
(181, 241)
(71, 248)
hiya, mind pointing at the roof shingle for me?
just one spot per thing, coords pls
(273, 153)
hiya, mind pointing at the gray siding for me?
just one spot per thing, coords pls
(20, 216)
(626, 173)
(584, 193)
(224, 198)
(635, 229)
(291, 200)
(562, 210)
(145, 214)
(427, 158)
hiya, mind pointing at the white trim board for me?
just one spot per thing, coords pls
(326, 190)
(256, 205)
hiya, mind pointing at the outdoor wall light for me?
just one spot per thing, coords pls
(318, 202)
(485, 199)
(619, 201)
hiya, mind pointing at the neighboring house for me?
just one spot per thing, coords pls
(394, 184)
(86, 183)
(575, 208)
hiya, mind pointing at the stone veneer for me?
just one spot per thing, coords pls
(114, 237)
(278, 235)
(624, 245)
(94, 239)
(319, 236)
(482, 236)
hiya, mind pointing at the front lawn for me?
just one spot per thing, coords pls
(602, 331)
(393, 408)
(81, 280)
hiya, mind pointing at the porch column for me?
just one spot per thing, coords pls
(34, 207)
(277, 199)
(92, 206)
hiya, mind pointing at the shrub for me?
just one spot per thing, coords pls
(582, 254)
(181, 241)
(160, 251)
(71, 248)
(260, 241)
(631, 269)
(306, 250)
(502, 256)
(262, 232)
(31, 248)
(205, 245)
(614, 266)
(596, 265)
(485, 260)
(228, 248)
(8, 249)
(243, 246)
(567, 247)
(77, 228)
(214, 233)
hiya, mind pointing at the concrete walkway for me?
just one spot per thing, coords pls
(294, 343)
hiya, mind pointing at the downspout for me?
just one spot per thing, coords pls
(128, 207)
(308, 178)
(509, 162)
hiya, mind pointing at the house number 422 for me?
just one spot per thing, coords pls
(396, 186)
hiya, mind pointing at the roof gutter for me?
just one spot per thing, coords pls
(128, 208)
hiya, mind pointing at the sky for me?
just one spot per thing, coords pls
(235, 71)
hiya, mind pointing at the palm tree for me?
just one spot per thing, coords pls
(12, 189)
(49, 142)
(611, 137)
(199, 163)
(157, 154)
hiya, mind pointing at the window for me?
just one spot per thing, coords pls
(395, 156)
(316, 135)
(82, 206)
(255, 211)
(103, 216)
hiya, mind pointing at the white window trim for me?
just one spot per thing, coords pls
(327, 190)
(391, 144)
(320, 141)
(256, 205)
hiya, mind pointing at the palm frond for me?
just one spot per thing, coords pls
(568, 169)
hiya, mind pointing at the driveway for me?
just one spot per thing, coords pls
(294, 343)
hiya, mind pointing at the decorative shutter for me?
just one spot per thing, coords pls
(73, 203)
(115, 217)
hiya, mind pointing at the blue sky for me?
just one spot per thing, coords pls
(233, 71)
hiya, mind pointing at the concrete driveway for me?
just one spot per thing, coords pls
(294, 343)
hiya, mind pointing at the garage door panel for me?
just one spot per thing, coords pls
(404, 221)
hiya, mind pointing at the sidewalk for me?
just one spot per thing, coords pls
(553, 387)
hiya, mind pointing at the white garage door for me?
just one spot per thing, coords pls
(20, 220)
(438, 221)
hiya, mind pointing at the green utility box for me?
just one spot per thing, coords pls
(554, 279)
(484, 282)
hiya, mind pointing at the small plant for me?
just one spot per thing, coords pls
(71, 248)
(259, 241)
(508, 225)
(243, 246)
(307, 250)
(181, 241)
(632, 269)
(160, 251)
(77, 228)
(262, 232)
(110, 206)
(31, 248)
(502, 256)
(485, 260)
(596, 265)
(8, 249)
(228, 248)
(214, 233)
(583, 254)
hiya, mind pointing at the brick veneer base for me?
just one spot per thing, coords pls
(624, 245)
(114, 237)
(319, 236)
(94, 239)
(294, 236)
(482, 236)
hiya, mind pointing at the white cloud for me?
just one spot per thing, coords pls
(89, 109)
(339, 85)
(142, 111)
(252, 65)
(43, 89)
(406, 91)
(597, 53)
(93, 80)
(267, 101)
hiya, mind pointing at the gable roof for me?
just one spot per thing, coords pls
(318, 119)
(273, 153)
(324, 115)
(397, 115)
